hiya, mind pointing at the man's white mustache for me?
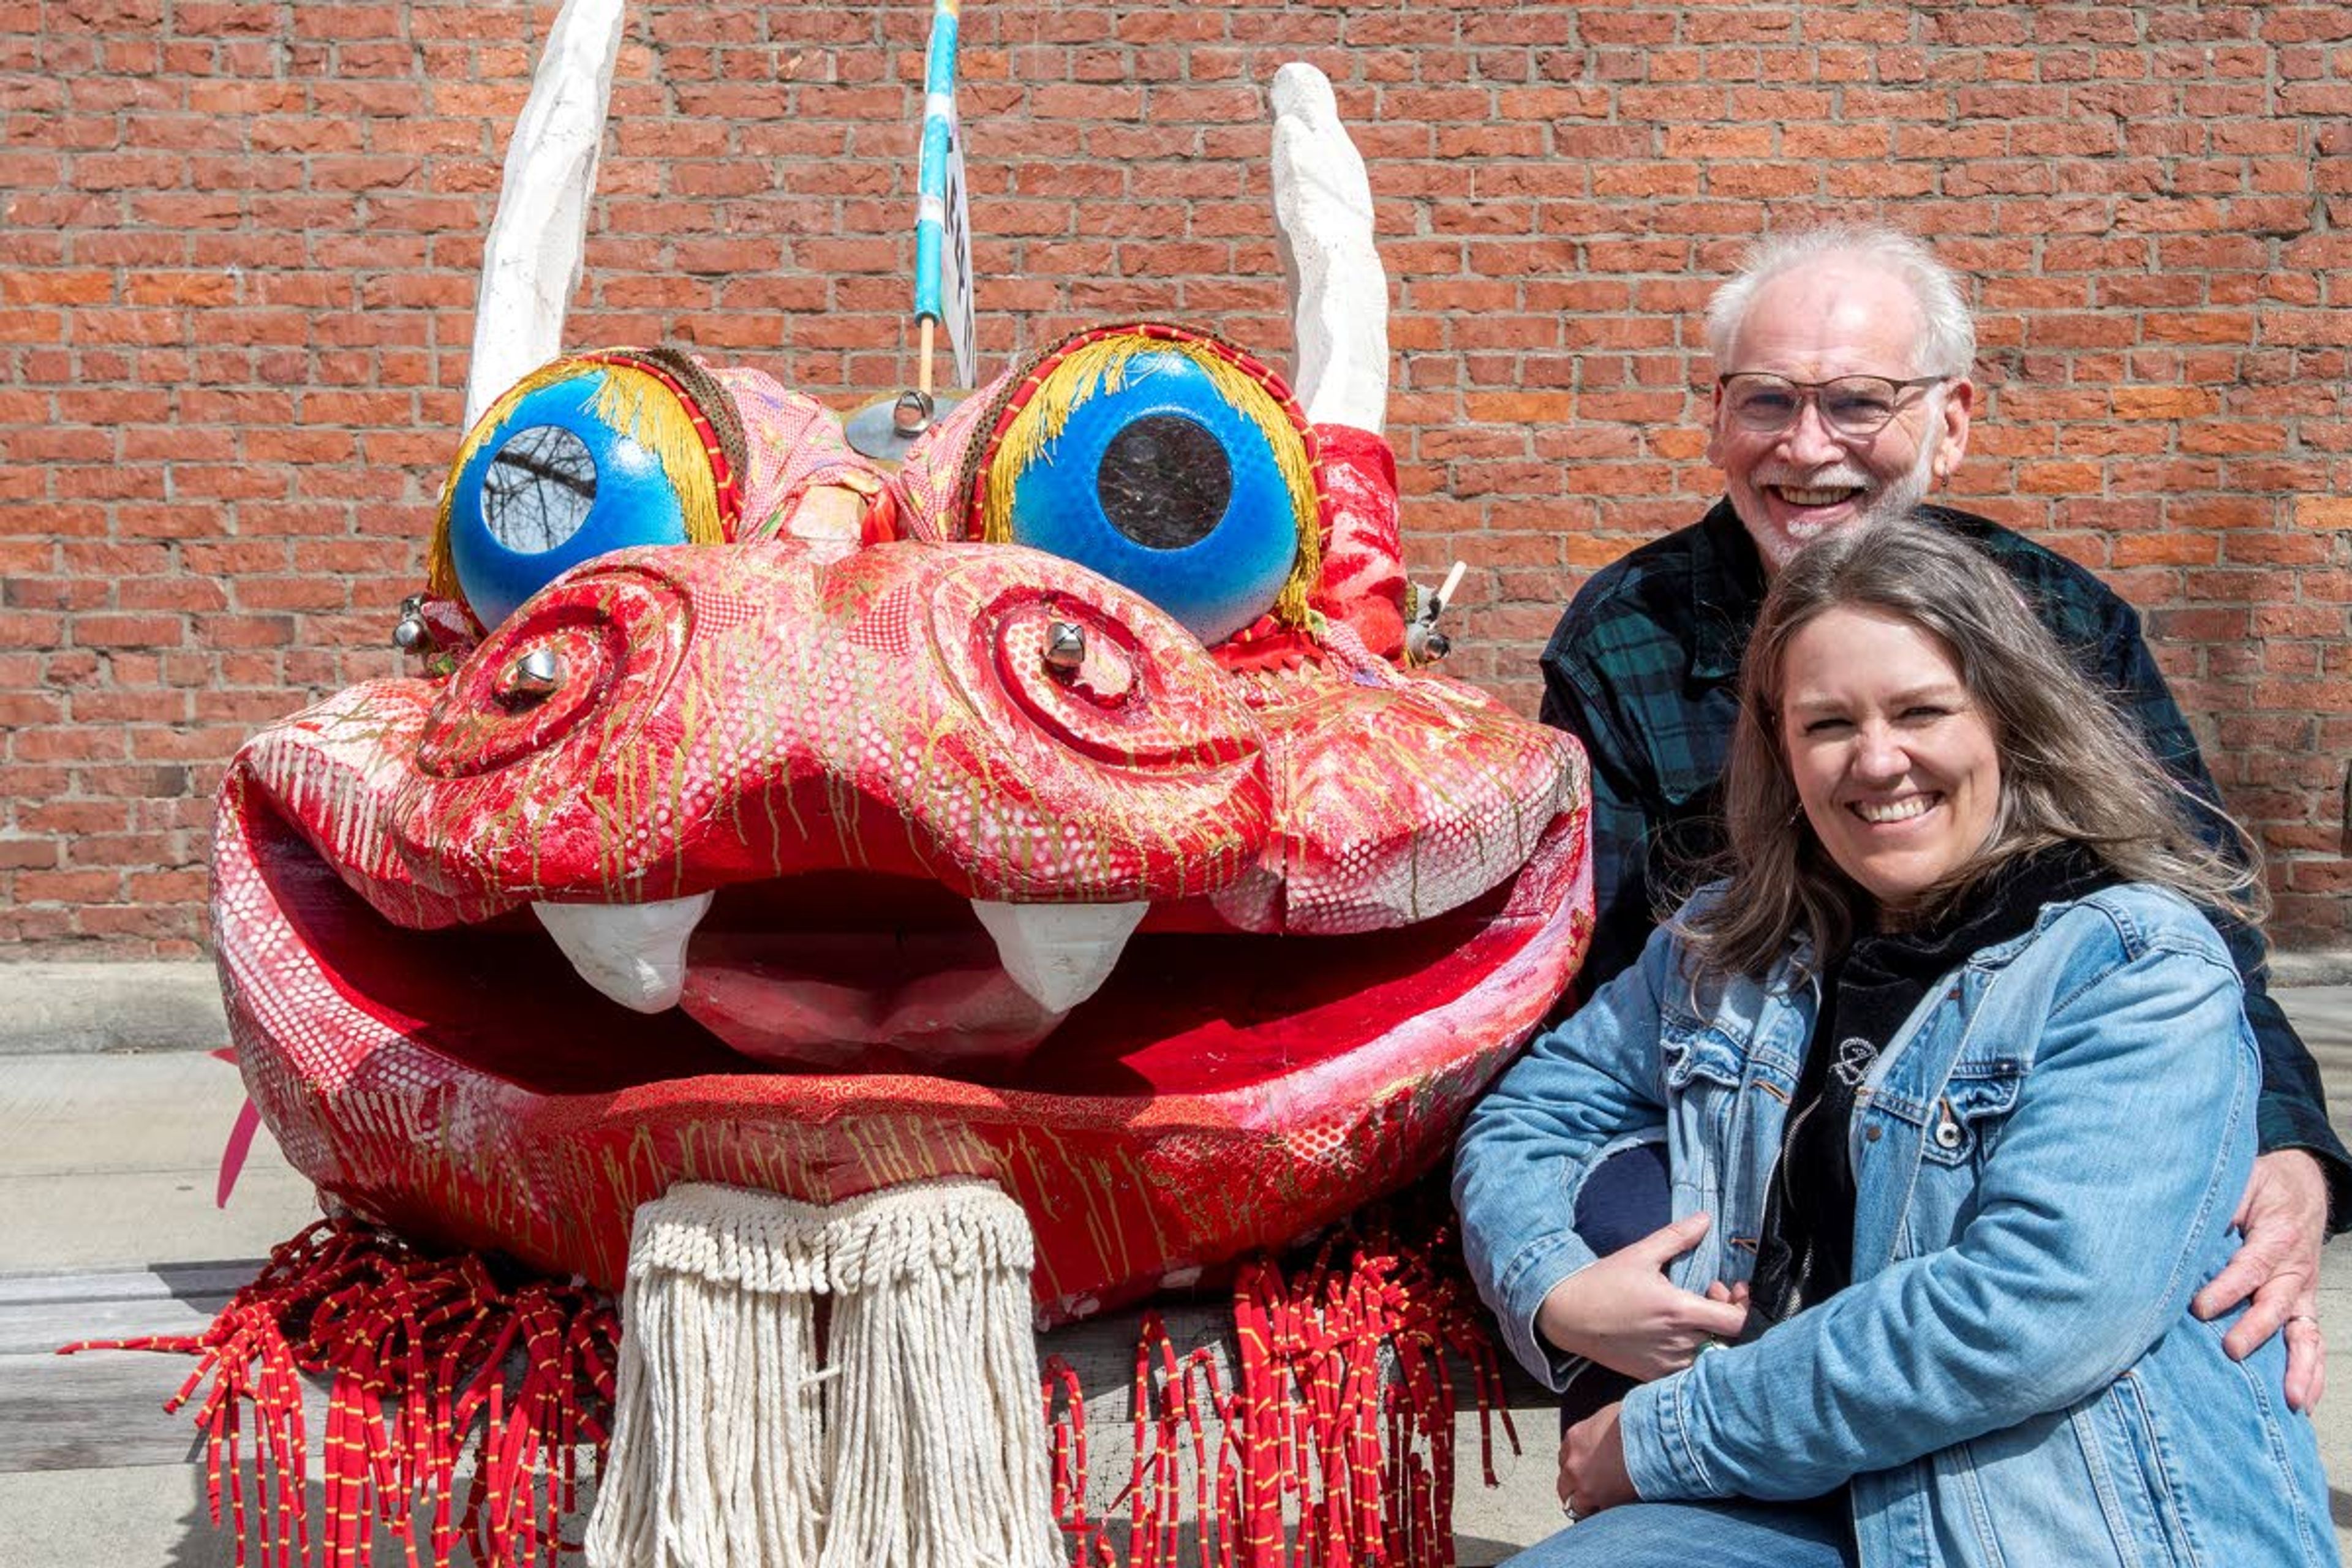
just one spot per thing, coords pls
(1836, 479)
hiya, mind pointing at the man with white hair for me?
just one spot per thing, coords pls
(1843, 394)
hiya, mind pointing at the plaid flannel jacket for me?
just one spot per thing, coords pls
(1643, 669)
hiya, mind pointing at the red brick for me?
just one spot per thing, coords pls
(237, 360)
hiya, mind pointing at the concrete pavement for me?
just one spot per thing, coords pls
(110, 1148)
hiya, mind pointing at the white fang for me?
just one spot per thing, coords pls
(1059, 953)
(634, 953)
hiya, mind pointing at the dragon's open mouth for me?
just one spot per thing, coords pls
(1220, 1090)
(1187, 1012)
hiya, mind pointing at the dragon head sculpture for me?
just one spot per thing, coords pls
(1057, 805)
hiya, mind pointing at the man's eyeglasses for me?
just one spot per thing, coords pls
(1851, 405)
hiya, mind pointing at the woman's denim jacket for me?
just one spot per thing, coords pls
(2047, 1157)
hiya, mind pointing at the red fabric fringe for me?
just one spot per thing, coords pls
(1337, 1421)
(1337, 1442)
(426, 1359)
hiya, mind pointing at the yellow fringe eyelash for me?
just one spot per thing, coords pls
(630, 403)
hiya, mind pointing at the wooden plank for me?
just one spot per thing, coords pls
(126, 1284)
(92, 1411)
(42, 1330)
(40, 1312)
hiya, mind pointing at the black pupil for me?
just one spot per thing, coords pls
(1164, 481)
(539, 488)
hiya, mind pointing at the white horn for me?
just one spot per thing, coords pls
(531, 263)
(1323, 226)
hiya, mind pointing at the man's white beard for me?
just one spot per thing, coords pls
(1899, 497)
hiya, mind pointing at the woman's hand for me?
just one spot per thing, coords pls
(1592, 1465)
(1624, 1313)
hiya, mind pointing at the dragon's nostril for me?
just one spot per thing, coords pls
(1066, 647)
(603, 641)
(531, 677)
(1087, 669)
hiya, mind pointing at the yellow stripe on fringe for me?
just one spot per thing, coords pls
(628, 402)
(1103, 366)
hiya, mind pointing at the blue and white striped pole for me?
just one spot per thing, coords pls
(942, 228)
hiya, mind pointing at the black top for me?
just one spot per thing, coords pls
(1806, 1253)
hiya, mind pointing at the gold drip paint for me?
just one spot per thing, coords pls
(1041, 1193)
(887, 1155)
(1139, 1180)
(1110, 1244)
(693, 728)
(940, 726)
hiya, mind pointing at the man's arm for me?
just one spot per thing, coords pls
(2293, 1111)
(1620, 824)
(2301, 1192)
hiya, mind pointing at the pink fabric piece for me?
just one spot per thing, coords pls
(1363, 548)
(795, 442)
(234, 1153)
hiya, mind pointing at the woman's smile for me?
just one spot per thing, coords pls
(1891, 813)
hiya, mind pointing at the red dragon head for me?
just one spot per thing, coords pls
(870, 825)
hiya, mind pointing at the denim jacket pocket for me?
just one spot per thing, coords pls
(1703, 1068)
(1717, 1129)
(1966, 1118)
(1696, 1054)
(2136, 1483)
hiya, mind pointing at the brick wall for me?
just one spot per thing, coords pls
(237, 278)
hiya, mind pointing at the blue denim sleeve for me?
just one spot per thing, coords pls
(1582, 1089)
(2107, 1195)
(2293, 1113)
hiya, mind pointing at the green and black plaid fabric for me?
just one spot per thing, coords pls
(1643, 669)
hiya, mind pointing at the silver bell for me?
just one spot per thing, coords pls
(410, 634)
(1066, 647)
(531, 677)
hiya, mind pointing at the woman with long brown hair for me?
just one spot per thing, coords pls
(1958, 1076)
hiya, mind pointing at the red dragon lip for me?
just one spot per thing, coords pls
(1352, 923)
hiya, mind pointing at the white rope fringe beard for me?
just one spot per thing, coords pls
(916, 1439)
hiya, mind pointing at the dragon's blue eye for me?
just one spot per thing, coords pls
(586, 456)
(1163, 466)
(548, 486)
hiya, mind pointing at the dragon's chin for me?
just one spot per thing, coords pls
(1220, 1093)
